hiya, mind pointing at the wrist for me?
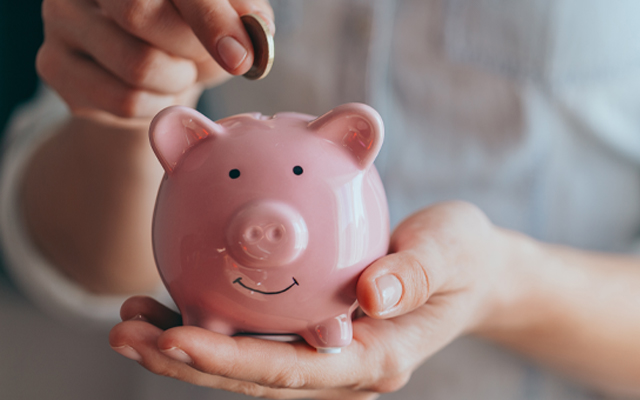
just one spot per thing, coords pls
(513, 303)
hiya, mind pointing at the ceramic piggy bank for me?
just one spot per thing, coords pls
(263, 223)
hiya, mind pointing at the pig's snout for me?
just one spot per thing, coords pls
(267, 234)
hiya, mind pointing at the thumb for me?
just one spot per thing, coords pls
(218, 26)
(424, 250)
(394, 285)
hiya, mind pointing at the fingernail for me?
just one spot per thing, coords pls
(139, 317)
(178, 355)
(128, 352)
(389, 290)
(231, 52)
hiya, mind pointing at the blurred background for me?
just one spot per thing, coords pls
(20, 37)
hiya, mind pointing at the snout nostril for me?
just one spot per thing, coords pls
(253, 234)
(266, 234)
(275, 234)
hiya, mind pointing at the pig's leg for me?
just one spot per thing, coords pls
(330, 335)
(209, 322)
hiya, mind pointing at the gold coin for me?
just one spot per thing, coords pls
(262, 42)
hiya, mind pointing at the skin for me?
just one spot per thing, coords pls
(456, 273)
(116, 64)
(459, 275)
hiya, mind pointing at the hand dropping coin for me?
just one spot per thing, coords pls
(262, 42)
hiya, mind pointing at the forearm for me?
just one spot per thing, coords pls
(574, 310)
(88, 198)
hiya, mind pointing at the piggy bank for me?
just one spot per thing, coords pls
(263, 224)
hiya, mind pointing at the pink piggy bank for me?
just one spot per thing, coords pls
(263, 224)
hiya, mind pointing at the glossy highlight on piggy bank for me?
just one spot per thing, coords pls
(263, 224)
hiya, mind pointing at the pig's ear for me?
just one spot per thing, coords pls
(355, 126)
(176, 129)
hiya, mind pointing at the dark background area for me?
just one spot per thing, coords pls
(20, 37)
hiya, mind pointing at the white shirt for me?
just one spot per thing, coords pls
(530, 110)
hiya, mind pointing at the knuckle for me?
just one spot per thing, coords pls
(465, 215)
(45, 62)
(392, 374)
(48, 64)
(416, 281)
(134, 15)
(289, 378)
(163, 369)
(393, 363)
(391, 384)
(392, 377)
(210, 16)
(128, 103)
(141, 66)
(248, 389)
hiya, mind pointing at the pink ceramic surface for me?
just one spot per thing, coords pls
(263, 224)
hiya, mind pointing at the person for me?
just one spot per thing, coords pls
(524, 112)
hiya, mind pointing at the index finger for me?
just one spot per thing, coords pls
(218, 26)
(271, 364)
(138, 340)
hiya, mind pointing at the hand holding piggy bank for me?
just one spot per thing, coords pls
(263, 224)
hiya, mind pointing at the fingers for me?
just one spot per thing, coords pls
(146, 308)
(428, 253)
(156, 22)
(129, 58)
(368, 366)
(218, 27)
(93, 65)
(271, 364)
(71, 75)
(138, 340)
(380, 359)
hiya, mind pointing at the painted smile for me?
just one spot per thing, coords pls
(239, 282)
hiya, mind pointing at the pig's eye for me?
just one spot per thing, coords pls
(234, 173)
(297, 170)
